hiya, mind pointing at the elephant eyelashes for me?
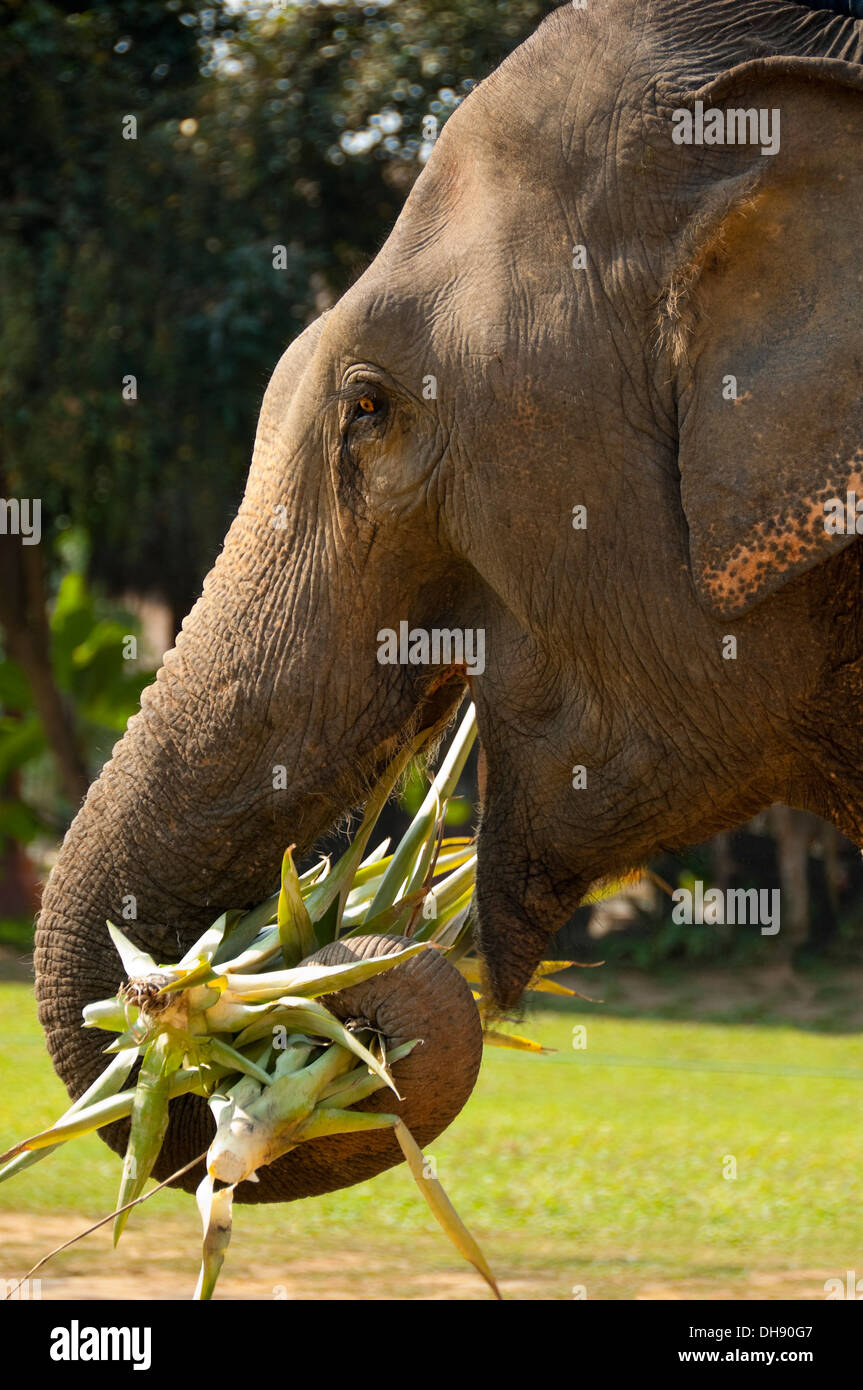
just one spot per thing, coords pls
(365, 410)
(366, 406)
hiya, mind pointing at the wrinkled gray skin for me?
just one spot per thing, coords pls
(556, 387)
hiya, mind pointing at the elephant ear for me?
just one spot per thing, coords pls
(763, 320)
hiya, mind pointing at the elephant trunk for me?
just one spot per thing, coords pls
(220, 770)
(183, 822)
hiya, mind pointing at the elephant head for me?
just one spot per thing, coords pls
(590, 400)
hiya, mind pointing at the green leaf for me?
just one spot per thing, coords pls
(72, 1126)
(246, 931)
(373, 860)
(207, 945)
(76, 1123)
(108, 1014)
(448, 897)
(104, 1087)
(327, 925)
(149, 1122)
(453, 930)
(422, 832)
(308, 1016)
(296, 933)
(336, 886)
(19, 822)
(441, 1207)
(391, 921)
(135, 1036)
(21, 740)
(216, 1210)
(227, 1056)
(419, 837)
(250, 942)
(135, 961)
(324, 1121)
(307, 981)
(14, 687)
(357, 1084)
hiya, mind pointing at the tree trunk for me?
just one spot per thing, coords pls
(19, 890)
(27, 636)
(793, 831)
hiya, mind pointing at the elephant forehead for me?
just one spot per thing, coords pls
(477, 240)
(489, 284)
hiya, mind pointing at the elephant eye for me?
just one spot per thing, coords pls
(364, 409)
(370, 405)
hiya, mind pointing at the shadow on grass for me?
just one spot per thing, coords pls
(816, 996)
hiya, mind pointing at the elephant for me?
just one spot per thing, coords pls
(594, 398)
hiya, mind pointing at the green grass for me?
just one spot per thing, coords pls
(600, 1167)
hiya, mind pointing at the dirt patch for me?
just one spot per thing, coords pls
(800, 1285)
(158, 1263)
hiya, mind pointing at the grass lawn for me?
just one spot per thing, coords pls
(603, 1168)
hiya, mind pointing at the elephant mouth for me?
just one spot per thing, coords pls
(132, 859)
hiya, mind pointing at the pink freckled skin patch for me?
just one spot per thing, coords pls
(789, 542)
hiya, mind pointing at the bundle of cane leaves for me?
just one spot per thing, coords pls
(297, 1020)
